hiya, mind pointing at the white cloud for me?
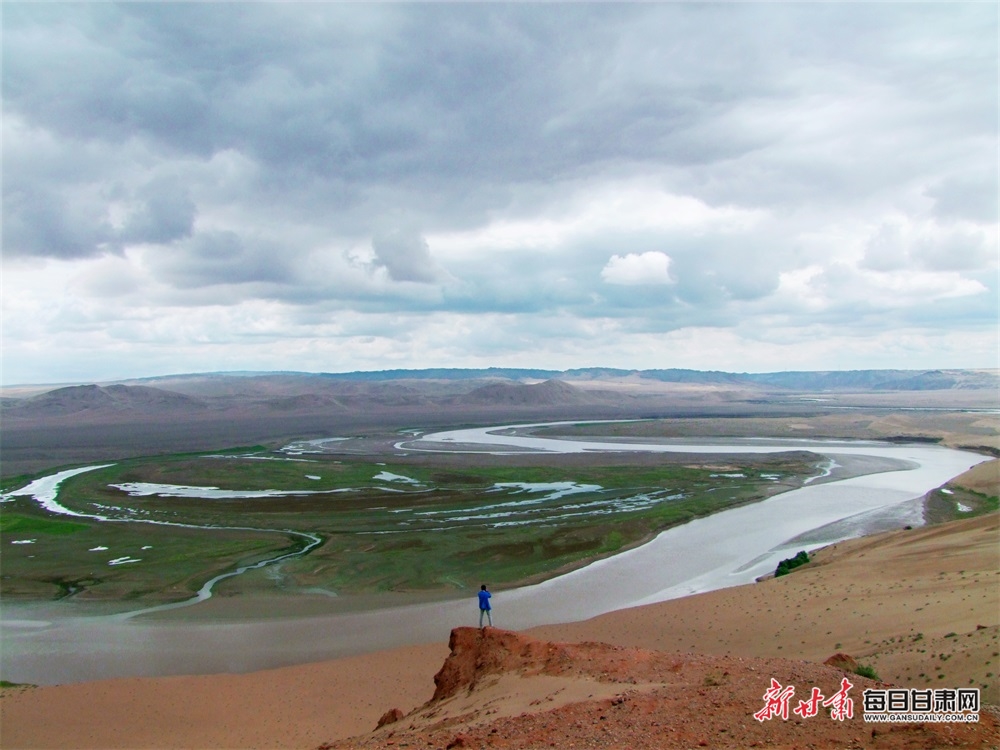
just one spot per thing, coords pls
(210, 177)
(905, 243)
(634, 269)
(904, 288)
(571, 213)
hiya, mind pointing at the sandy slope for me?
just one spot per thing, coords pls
(921, 606)
(889, 600)
(643, 700)
(295, 707)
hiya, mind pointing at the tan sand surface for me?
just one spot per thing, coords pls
(647, 700)
(896, 601)
(983, 478)
(922, 606)
(291, 707)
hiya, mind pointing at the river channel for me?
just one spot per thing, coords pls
(52, 643)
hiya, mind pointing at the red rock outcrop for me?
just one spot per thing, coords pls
(389, 717)
(643, 700)
(843, 662)
(476, 654)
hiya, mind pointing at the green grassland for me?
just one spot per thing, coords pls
(954, 502)
(433, 523)
(172, 567)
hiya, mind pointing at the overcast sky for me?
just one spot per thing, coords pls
(331, 187)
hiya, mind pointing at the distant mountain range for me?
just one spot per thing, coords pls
(287, 393)
(111, 399)
(43, 427)
(898, 380)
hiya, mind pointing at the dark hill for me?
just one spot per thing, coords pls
(95, 400)
(307, 402)
(548, 393)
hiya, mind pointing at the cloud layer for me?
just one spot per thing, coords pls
(194, 187)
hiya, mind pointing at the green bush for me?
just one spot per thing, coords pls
(866, 670)
(786, 566)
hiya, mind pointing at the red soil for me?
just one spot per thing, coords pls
(636, 698)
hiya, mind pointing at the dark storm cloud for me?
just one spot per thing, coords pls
(217, 258)
(368, 103)
(371, 107)
(404, 255)
(165, 213)
(43, 222)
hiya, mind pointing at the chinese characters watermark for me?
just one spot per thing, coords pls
(911, 704)
(879, 705)
(777, 701)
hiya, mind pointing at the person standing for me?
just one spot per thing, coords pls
(484, 606)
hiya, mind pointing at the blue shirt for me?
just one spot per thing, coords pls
(484, 599)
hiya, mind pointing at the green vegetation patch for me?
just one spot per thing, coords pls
(8, 685)
(789, 564)
(112, 561)
(953, 502)
(418, 523)
(13, 523)
(866, 670)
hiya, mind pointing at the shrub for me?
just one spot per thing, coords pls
(866, 670)
(786, 566)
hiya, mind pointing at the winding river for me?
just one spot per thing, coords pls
(45, 492)
(44, 644)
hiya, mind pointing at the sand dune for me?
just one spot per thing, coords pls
(921, 606)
